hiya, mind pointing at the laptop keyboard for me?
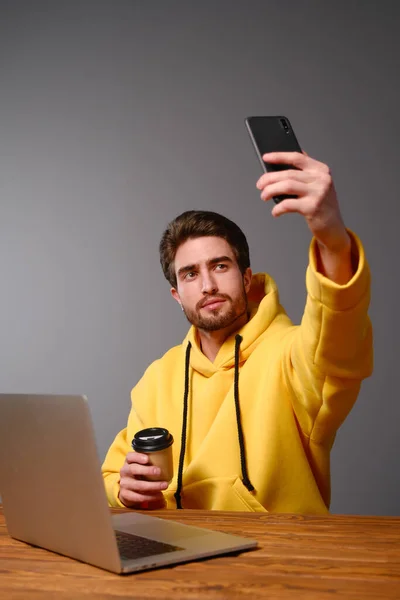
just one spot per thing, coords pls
(132, 546)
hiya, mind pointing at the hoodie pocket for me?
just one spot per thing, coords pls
(250, 502)
(216, 493)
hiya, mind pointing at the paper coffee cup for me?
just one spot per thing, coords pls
(156, 442)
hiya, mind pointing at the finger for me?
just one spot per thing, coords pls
(142, 485)
(129, 497)
(136, 470)
(284, 188)
(139, 471)
(276, 176)
(137, 457)
(290, 205)
(298, 159)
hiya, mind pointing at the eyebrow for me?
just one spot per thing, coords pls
(212, 261)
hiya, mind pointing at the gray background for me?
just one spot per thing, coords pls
(117, 116)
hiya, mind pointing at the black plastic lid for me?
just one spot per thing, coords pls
(152, 439)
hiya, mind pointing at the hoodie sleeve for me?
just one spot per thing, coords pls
(138, 419)
(331, 351)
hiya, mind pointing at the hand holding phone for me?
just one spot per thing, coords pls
(272, 134)
(311, 187)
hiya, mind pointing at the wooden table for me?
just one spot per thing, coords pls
(299, 557)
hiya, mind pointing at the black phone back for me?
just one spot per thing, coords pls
(272, 134)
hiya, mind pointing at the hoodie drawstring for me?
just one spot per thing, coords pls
(246, 481)
(245, 478)
(184, 428)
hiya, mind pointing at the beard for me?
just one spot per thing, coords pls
(219, 318)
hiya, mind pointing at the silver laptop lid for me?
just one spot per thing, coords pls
(39, 441)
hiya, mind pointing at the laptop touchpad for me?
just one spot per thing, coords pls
(166, 531)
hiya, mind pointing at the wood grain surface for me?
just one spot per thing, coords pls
(299, 557)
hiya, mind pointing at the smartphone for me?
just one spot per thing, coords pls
(272, 134)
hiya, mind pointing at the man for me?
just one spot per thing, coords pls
(252, 401)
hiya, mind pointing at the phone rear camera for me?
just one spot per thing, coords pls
(284, 125)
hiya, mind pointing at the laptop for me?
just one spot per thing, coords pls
(53, 494)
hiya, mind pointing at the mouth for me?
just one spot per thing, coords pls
(213, 304)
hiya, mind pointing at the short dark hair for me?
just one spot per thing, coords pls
(201, 223)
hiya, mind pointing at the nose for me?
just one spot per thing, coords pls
(208, 284)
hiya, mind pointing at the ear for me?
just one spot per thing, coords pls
(175, 295)
(247, 277)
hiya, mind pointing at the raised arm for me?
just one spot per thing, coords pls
(331, 352)
(316, 200)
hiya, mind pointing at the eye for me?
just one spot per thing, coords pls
(190, 275)
(221, 267)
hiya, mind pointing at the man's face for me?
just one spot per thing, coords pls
(210, 287)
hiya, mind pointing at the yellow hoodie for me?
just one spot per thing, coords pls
(296, 385)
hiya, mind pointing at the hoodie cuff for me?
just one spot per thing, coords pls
(112, 491)
(331, 294)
